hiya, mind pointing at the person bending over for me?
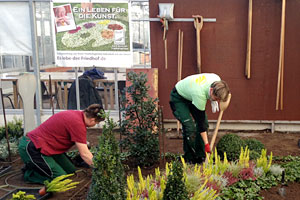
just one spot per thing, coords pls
(43, 149)
(188, 101)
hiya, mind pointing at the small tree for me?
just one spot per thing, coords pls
(175, 188)
(108, 178)
(140, 121)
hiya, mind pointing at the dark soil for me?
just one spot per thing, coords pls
(281, 144)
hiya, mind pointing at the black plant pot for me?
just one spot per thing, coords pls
(34, 192)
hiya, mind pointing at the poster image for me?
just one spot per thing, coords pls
(64, 20)
(100, 35)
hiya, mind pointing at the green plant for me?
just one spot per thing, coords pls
(140, 122)
(108, 177)
(14, 128)
(175, 188)
(231, 144)
(22, 196)
(13, 145)
(292, 169)
(255, 147)
(60, 184)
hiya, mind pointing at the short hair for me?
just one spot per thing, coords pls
(95, 111)
(220, 90)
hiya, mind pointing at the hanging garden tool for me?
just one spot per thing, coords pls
(248, 56)
(279, 96)
(180, 53)
(198, 24)
(165, 14)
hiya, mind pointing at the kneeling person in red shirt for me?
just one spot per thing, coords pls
(43, 149)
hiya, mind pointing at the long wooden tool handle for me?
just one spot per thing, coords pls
(212, 143)
(181, 54)
(248, 56)
(198, 51)
(282, 35)
(281, 55)
(166, 53)
(178, 69)
(178, 55)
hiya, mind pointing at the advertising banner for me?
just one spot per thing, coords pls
(92, 34)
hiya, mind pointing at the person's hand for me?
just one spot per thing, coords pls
(207, 148)
(214, 106)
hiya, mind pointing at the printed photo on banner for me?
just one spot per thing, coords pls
(101, 33)
(64, 20)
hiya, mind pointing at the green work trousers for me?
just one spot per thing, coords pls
(193, 123)
(39, 167)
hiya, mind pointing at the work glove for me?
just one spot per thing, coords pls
(207, 148)
(214, 106)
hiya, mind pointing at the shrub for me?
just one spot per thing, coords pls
(175, 188)
(140, 122)
(14, 128)
(231, 144)
(108, 177)
(255, 147)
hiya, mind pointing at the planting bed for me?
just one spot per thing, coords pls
(281, 144)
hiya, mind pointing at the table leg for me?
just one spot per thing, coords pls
(15, 91)
(111, 96)
(59, 94)
(105, 96)
(66, 95)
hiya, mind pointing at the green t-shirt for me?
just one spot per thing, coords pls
(195, 88)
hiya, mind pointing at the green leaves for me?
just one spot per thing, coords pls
(140, 121)
(60, 184)
(175, 188)
(108, 179)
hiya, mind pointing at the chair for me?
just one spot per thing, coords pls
(9, 98)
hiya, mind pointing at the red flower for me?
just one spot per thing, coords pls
(247, 173)
(230, 178)
(75, 30)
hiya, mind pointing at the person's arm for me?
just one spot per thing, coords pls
(85, 153)
(204, 137)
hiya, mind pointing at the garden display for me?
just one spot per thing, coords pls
(211, 180)
(99, 32)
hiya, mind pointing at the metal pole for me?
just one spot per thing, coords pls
(35, 60)
(116, 88)
(77, 89)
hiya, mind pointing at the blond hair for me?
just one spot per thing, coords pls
(220, 90)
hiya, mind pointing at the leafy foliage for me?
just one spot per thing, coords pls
(108, 179)
(175, 188)
(60, 184)
(14, 128)
(292, 169)
(13, 145)
(21, 195)
(231, 144)
(140, 122)
(255, 146)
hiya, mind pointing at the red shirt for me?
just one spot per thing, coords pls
(59, 133)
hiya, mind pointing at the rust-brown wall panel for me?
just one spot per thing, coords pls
(223, 51)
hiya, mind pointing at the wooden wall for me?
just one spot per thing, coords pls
(223, 51)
